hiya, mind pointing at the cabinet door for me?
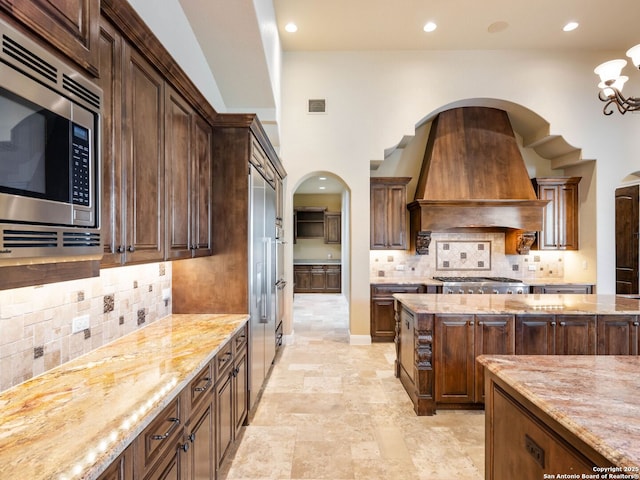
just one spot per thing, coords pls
(535, 334)
(178, 173)
(121, 468)
(333, 279)
(575, 335)
(494, 334)
(454, 358)
(560, 219)
(111, 220)
(170, 466)
(318, 279)
(71, 26)
(617, 335)
(383, 324)
(240, 388)
(225, 423)
(332, 228)
(388, 204)
(201, 188)
(627, 228)
(143, 158)
(302, 279)
(199, 465)
(397, 217)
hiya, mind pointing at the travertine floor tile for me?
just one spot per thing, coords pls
(335, 411)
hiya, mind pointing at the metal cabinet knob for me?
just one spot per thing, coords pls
(131, 248)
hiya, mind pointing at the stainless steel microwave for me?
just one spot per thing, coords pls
(49, 155)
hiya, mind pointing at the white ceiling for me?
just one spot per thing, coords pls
(232, 36)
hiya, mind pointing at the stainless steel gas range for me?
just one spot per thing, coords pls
(482, 285)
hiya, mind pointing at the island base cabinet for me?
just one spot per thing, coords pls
(618, 335)
(520, 445)
(459, 340)
(121, 468)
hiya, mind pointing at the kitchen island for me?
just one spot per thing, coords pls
(76, 420)
(438, 338)
(548, 416)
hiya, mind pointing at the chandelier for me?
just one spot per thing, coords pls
(611, 83)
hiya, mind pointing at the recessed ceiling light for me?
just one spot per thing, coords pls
(322, 188)
(291, 27)
(569, 27)
(322, 178)
(429, 27)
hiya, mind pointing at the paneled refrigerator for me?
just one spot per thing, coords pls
(262, 281)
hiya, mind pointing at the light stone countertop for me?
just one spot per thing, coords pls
(74, 420)
(318, 261)
(515, 304)
(404, 281)
(595, 397)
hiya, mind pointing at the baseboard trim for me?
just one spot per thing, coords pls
(359, 339)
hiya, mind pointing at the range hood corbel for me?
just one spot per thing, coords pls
(423, 240)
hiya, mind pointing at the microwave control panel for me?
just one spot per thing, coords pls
(81, 166)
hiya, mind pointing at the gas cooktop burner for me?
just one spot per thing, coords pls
(482, 285)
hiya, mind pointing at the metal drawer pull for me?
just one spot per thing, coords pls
(635, 324)
(174, 423)
(562, 324)
(206, 385)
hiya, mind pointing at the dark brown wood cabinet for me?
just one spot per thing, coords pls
(231, 394)
(317, 278)
(187, 180)
(121, 468)
(309, 222)
(71, 26)
(520, 444)
(388, 204)
(560, 220)
(627, 234)
(555, 334)
(133, 157)
(332, 227)
(459, 340)
(618, 335)
(383, 323)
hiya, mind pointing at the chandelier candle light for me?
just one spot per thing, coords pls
(611, 83)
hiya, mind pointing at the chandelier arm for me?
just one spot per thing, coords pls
(622, 103)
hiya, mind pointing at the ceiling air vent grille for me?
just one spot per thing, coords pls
(317, 105)
(31, 64)
(81, 239)
(29, 239)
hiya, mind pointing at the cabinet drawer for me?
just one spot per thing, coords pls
(389, 290)
(201, 386)
(223, 359)
(161, 434)
(240, 340)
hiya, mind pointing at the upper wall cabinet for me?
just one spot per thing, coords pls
(187, 180)
(560, 221)
(71, 26)
(133, 155)
(388, 213)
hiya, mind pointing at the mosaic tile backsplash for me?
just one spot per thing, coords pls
(36, 322)
(466, 254)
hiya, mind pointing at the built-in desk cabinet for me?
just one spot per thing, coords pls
(317, 278)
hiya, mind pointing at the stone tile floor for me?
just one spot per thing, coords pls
(335, 411)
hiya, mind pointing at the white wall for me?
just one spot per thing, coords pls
(374, 98)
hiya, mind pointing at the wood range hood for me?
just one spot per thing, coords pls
(473, 178)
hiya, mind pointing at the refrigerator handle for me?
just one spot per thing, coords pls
(264, 313)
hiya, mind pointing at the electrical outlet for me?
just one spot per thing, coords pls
(532, 268)
(166, 294)
(80, 324)
(401, 267)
